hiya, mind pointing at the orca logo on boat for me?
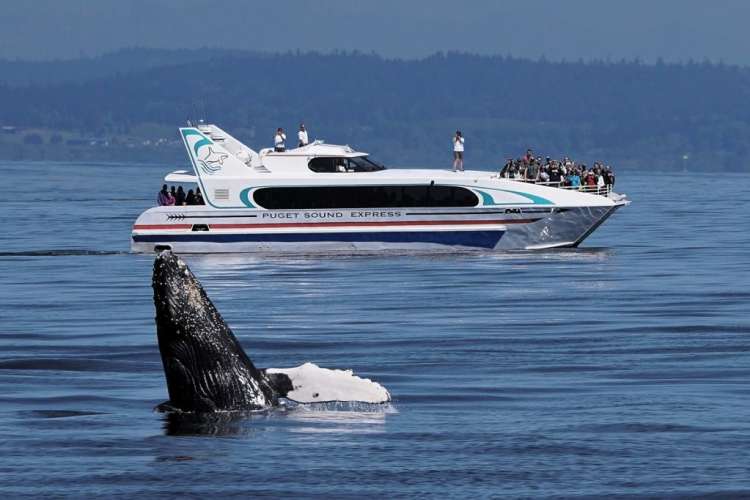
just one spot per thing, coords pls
(212, 161)
(208, 160)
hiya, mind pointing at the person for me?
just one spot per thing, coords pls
(599, 182)
(610, 179)
(173, 192)
(517, 171)
(458, 151)
(179, 198)
(302, 136)
(554, 175)
(532, 172)
(544, 174)
(278, 140)
(190, 198)
(199, 196)
(574, 180)
(590, 180)
(522, 170)
(164, 198)
(507, 168)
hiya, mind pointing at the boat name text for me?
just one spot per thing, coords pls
(331, 214)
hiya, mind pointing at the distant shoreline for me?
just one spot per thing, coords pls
(127, 105)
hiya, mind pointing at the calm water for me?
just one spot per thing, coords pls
(620, 368)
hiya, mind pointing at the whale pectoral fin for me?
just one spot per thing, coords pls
(313, 384)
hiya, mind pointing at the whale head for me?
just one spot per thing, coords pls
(206, 368)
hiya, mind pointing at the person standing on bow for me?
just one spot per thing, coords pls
(302, 136)
(458, 152)
(278, 141)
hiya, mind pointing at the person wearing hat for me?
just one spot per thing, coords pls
(302, 136)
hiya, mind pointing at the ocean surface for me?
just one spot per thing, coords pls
(621, 368)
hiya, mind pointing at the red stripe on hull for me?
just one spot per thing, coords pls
(162, 226)
(339, 224)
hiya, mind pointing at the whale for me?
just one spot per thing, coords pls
(208, 371)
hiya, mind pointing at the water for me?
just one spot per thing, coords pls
(620, 368)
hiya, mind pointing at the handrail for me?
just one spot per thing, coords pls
(600, 190)
(603, 190)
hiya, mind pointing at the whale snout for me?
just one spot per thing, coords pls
(178, 296)
(170, 274)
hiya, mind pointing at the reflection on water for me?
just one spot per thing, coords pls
(210, 424)
(336, 417)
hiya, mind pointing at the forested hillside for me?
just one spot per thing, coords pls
(662, 116)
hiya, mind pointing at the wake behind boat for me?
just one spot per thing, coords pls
(325, 197)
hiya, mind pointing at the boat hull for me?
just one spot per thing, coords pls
(204, 230)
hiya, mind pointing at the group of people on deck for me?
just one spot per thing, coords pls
(279, 140)
(558, 173)
(172, 196)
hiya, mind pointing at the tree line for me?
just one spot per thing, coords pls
(405, 111)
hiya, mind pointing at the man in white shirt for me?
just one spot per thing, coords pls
(302, 136)
(278, 141)
(458, 151)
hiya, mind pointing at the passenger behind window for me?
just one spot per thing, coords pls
(164, 198)
(179, 198)
(190, 198)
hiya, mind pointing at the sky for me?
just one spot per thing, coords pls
(675, 30)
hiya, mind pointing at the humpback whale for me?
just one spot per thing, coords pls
(206, 368)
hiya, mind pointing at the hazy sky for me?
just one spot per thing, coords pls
(556, 29)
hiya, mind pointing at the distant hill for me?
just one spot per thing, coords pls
(665, 115)
(22, 73)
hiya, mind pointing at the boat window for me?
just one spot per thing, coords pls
(342, 164)
(314, 197)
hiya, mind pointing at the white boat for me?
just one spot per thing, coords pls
(325, 197)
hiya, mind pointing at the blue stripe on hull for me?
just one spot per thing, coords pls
(479, 239)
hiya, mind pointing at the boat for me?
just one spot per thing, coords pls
(332, 198)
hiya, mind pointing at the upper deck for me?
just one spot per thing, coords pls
(231, 175)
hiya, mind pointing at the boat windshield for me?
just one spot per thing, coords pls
(342, 164)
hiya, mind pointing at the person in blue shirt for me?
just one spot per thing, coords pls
(574, 179)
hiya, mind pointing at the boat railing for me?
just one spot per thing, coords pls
(600, 190)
